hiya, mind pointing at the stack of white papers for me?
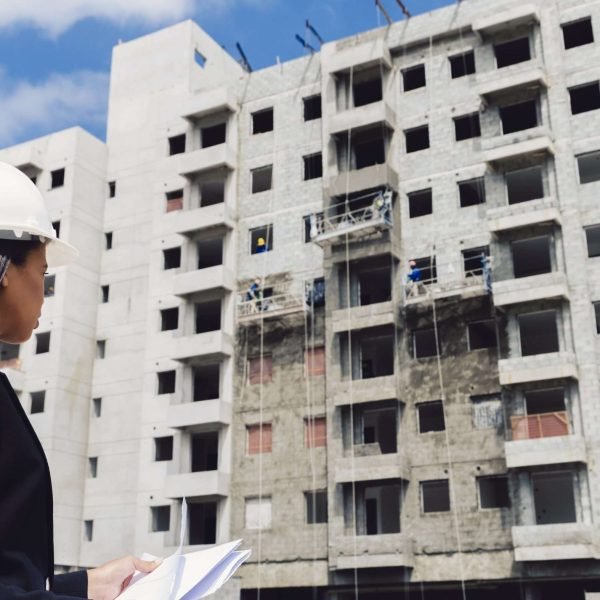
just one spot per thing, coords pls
(187, 576)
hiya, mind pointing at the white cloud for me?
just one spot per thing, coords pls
(62, 100)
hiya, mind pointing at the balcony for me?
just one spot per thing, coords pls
(188, 222)
(208, 103)
(364, 390)
(363, 116)
(191, 164)
(363, 179)
(201, 483)
(208, 414)
(369, 464)
(513, 79)
(12, 369)
(278, 305)
(212, 345)
(523, 214)
(563, 541)
(528, 289)
(360, 317)
(368, 54)
(202, 280)
(506, 20)
(527, 143)
(373, 551)
(539, 367)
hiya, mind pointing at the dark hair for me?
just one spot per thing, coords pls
(18, 250)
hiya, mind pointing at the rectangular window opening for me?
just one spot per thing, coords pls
(312, 107)
(104, 293)
(206, 382)
(589, 167)
(482, 334)
(519, 117)
(262, 179)
(210, 253)
(260, 438)
(315, 432)
(462, 64)
(202, 523)
(174, 200)
(262, 121)
(172, 258)
(205, 451)
(577, 33)
(597, 316)
(169, 319)
(108, 239)
(49, 285)
(585, 98)
(208, 316)
(314, 361)
(88, 530)
(420, 203)
(417, 139)
(42, 342)
(213, 135)
(93, 467)
(473, 260)
(539, 333)
(467, 127)
(424, 343)
(261, 239)
(97, 407)
(435, 495)
(101, 349)
(38, 400)
(524, 185)
(313, 166)
(431, 416)
(161, 518)
(554, 497)
(57, 178)
(316, 507)
(512, 52)
(260, 370)
(112, 189)
(493, 491)
(166, 382)
(471, 192)
(163, 448)
(378, 425)
(177, 144)
(212, 192)
(413, 78)
(592, 235)
(531, 257)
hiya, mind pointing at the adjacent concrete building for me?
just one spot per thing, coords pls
(250, 336)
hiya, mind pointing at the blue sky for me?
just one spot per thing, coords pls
(55, 54)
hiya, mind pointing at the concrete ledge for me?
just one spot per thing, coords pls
(203, 483)
(545, 451)
(190, 164)
(555, 365)
(361, 117)
(373, 551)
(516, 145)
(209, 102)
(523, 214)
(564, 541)
(364, 390)
(361, 317)
(510, 79)
(503, 20)
(361, 56)
(186, 222)
(202, 280)
(371, 468)
(202, 415)
(215, 344)
(363, 179)
(528, 289)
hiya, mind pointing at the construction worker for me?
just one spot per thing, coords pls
(28, 244)
(413, 279)
(261, 246)
(254, 295)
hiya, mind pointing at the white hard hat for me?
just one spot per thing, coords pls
(23, 214)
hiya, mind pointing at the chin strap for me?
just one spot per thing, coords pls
(4, 262)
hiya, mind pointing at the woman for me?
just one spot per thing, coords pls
(28, 244)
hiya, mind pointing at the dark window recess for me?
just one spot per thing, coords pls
(493, 492)
(589, 167)
(38, 400)
(424, 343)
(57, 178)
(261, 233)
(202, 519)
(42, 343)
(166, 382)
(585, 98)
(56, 227)
(88, 527)
(100, 348)
(161, 517)
(420, 203)
(513, 52)
(177, 144)
(316, 507)
(163, 448)
(313, 166)
(531, 257)
(472, 260)
(210, 253)
(49, 284)
(467, 127)
(169, 319)
(307, 223)
(417, 138)
(431, 417)
(471, 192)
(518, 117)
(578, 33)
(524, 185)
(592, 235)
(435, 495)
(213, 135)
(262, 121)
(172, 258)
(93, 466)
(205, 451)
(262, 179)
(206, 382)
(414, 78)
(482, 334)
(376, 354)
(112, 189)
(368, 150)
(174, 200)
(8, 352)
(199, 59)
(104, 293)
(544, 401)
(539, 333)
(97, 407)
(367, 92)
(108, 239)
(597, 315)
(462, 64)
(312, 108)
(208, 316)
(212, 192)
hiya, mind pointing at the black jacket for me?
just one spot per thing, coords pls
(26, 536)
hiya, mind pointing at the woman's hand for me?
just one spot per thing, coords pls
(109, 580)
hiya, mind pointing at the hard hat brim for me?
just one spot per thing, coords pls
(60, 253)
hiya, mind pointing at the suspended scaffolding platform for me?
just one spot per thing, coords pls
(355, 224)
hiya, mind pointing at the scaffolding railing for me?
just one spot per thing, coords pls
(276, 305)
(529, 427)
(475, 281)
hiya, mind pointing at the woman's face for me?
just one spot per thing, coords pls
(22, 296)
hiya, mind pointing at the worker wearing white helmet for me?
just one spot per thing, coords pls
(28, 245)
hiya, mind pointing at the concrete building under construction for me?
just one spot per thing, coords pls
(244, 329)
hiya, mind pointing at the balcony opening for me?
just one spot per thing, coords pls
(462, 64)
(592, 235)
(177, 144)
(431, 416)
(538, 333)
(206, 382)
(49, 285)
(585, 98)
(518, 117)
(424, 343)
(554, 497)
(202, 523)
(163, 448)
(420, 203)
(417, 139)
(546, 415)
(524, 185)
(316, 507)
(205, 451)
(370, 281)
(367, 148)
(578, 33)
(471, 192)
(208, 316)
(213, 135)
(378, 507)
(42, 343)
(261, 239)
(161, 517)
(467, 127)
(545, 401)
(413, 78)
(38, 400)
(312, 107)
(174, 200)
(435, 495)
(482, 334)
(366, 88)
(513, 52)
(589, 167)
(262, 121)
(372, 353)
(169, 319)
(57, 178)
(262, 179)
(531, 257)
(313, 166)
(212, 192)
(210, 253)
(376, 426)
(166, 382)
(493, 491)
(472, 260)
(172, 258)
